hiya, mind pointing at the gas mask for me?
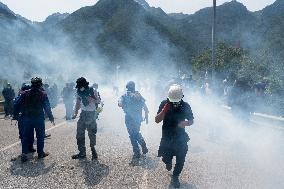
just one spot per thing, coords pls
(176, 104)
(82, 89)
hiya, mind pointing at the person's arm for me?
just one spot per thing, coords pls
(16, 107)
(186, 123)
(77, 108)
(47, 109)
(120, 102)
(162, 112)
(189, 117)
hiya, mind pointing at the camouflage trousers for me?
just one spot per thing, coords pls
(87, 121)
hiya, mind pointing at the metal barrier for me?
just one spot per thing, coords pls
(272, 119)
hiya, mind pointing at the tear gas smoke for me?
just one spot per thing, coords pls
(58, 61)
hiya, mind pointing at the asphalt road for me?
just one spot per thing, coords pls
(223, 153)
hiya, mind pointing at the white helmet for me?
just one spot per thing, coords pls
(175, 93)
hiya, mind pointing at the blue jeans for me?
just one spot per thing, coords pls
(133, 128)
(29, 124)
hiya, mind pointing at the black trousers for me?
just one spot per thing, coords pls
(8, 107)
(170, 148)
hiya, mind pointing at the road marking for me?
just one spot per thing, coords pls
(17, 143)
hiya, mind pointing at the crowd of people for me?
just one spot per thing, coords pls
(35, 102)
(33, 105)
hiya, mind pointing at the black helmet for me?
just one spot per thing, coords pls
(82, 82)
(130, 86)
(25, 87)
(36, 82)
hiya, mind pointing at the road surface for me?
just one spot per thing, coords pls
(223, 153)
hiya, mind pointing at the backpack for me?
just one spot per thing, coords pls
(133, 103)
(33, 100)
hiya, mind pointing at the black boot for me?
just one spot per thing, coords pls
(79, 156)
(24, 158)
(43, 155)
(175, 181)
(32, 150)
(94, 154)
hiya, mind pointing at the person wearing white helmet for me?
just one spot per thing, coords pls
(176, 115)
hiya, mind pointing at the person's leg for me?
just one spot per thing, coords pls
(66, 111)
(31, 141)
(21, 129)
(180, 152)
(167, 158)
(140, 138)
(11, 108)
(80, 136)
(39, 126)
(132, 131)
(69, 110)
(6, 108)
(92, 131)
(26, 130)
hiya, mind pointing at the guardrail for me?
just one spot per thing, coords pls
(2, 107)
(265, 117)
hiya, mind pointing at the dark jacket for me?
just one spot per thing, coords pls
(33, 103)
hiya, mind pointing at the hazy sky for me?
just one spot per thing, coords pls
(38, 10)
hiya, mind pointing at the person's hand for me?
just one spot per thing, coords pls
(74, 116)
(166, 107)
(15, 118)
(183, 124)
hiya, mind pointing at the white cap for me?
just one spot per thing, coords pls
(175, 93)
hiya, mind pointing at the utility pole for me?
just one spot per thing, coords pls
(213, 56)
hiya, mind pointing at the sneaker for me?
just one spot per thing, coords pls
(43, 155)
(24, 158)
(79, 156)
(47, 135)
(175, 182)
(136, 156)
(134, 161)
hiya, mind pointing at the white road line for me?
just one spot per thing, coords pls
(17, 143)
